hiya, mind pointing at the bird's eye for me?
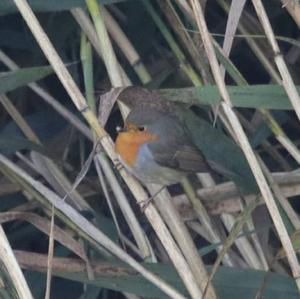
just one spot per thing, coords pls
(142, 128)
(119, 129)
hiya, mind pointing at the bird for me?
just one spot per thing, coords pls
(162, 142)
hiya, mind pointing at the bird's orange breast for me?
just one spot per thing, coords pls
(129, 142)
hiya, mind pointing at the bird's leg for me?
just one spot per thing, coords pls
(145, 203)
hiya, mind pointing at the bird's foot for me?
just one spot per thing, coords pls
(145, 203)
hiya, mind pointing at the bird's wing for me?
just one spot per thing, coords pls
(222, 153)
(182, 157)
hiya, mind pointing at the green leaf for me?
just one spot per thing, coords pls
(242, 283)
(254, 96)
(21, 77)
(7, 6)
(229, 282)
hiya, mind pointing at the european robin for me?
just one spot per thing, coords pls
(161, 142)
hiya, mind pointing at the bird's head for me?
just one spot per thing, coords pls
(139, 128)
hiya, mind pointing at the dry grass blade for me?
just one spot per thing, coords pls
(43, 225)
(16, 116)
(285, 204)
(240, 221)
(108, 198)
(108, 53)
(85, 168)
(73, 119)
(203, 216)
(268, 197)
(129, 215)
(7, 257)
(151, 213)
(50, 256)
(182, 236)
(57, 179)
(190, 46)
(106, 104)
(183, 229)
(234, 15)
(259, 53)
(293, 7)
(84, 225)
(126, 47)
(287, 80)
(240, 134)
(85, 23)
